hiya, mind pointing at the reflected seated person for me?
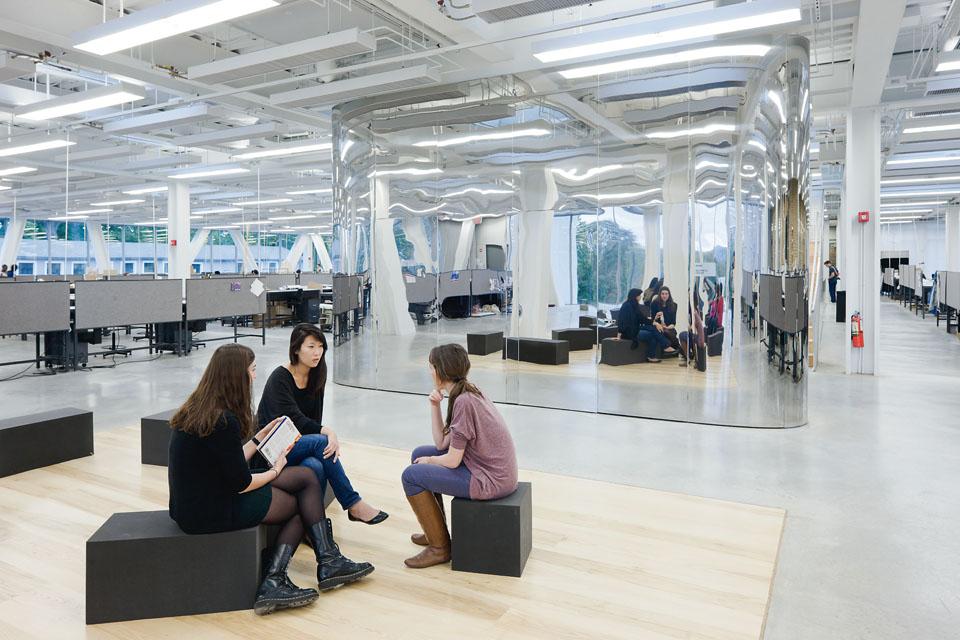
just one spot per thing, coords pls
(664, 311)
(635, 323)
(473, 455)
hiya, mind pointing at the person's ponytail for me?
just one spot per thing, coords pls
(459, 386)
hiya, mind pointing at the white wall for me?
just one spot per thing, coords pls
(925, 240)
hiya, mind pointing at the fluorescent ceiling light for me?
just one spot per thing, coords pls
(218, 210)
(285, 150)
(951, 43)
(84, 211)
(482, 192)
(896, 221)
(411, 210)
(113, 203)
(475, 137)
(923, 159)
(925, 203)
(79, 102)
(900, 211)
(949, 61)
(158, 119)
(15, 171)
(162, 21)
(306, 192)
(17, 149)
(710, 164)
(918, 194)
(692, 131)
(299, 217)
(933, 128)
(740, 17)
(250, 203)
(708, 183)
(573, 176)
(920, 180)
(68, 218)
(760, 147)
(412, 171)
(252, 223)
(4, 187)
(690, 55)
(152, 224)
(224, 226)
(616, 196)
(208, 172)
(145, 190)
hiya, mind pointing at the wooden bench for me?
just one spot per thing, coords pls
(537, 350)
(493, 536)
(481, 344)
(141, 565)
(582, 339)
(44, 439)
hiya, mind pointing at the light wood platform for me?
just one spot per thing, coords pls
(608, 561)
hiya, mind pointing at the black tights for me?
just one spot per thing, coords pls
(297, 502)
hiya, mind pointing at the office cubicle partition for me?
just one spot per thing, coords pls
(34, 307)
(211, 298)
(120, 303)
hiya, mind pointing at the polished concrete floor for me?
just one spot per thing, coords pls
(870, 546)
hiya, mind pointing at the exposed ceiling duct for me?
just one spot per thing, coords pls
(499, 10)
(340, 90)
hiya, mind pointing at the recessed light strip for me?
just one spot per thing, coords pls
(690, 55)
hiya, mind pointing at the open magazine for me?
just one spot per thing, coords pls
(282, 436)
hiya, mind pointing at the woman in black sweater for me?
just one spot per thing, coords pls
(213, 490)
(664, 312)
(295, 390)
(635, 324)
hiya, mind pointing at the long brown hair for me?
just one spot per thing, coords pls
(452, 364)
(224, 386)
(317, 378)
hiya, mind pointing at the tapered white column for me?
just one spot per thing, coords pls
(390, 292)
(249, 263)
(178, 229)
(12, 240)
(953, 238)
(99, 245)
(860, 270)
(413, 230)
(564, 254)
(464, 251)
(326, 264)
(533, 283)
(198, 242)
(290, 263)
(651, 249)
(676, 231)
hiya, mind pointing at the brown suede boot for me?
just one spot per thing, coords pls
(430, 516)
(420, 538)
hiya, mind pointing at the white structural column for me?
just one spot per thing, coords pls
(464, 251)
(564, 254)
(861, 241)
(676, 232)
(198, 242)
(651, 249)
(12, 240)
(532, 283)
(289, 264)
(413, 230)
(99, 245)
(389, 290)
(249, 263)
(953, 238)
(178, 229)
(326, 264)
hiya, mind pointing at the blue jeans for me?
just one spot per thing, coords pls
(832, 284)
(432, 477)
(653, 338)
(308, 452)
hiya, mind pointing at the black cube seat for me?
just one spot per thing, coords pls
(493, 536)
(43, 439)
(616, 352)
(141, 565)
(537, 350)
(715, 343)
(481, 344)
(586, 321)
(605, 331)
(155, 438)
(579, 339)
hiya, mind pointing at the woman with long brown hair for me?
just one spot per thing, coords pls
(296, 390)
(472, 457)
(213, 490)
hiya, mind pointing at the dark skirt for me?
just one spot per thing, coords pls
(251, 508)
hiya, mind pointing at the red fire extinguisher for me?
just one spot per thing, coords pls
(856, 330)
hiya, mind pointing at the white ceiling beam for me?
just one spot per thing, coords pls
(224, 136)
(876, 39)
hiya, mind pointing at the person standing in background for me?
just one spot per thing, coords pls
(832, 276)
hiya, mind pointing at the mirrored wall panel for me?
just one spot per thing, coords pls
(625, 238)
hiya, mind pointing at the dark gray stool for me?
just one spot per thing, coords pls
(616, 352)
(493, 536)
(586, 321)
(715, 343)
(481, 344)
(155, 438)
(580, 339)
(537, 350)
(141, 565)
(43, 439)
(604, 332)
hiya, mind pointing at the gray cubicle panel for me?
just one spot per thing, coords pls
(746, 287)
(423, 289)
(453, 283)
(210, 298)
(316, 280)
(346, 293)
(34, 307)
(484, 281)
(888, 276)
(771, 300)
(795, 304)
(24, 278)
(953, 289)
(276, 281)
(117, 303)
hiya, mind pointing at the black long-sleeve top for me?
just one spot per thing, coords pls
(206, 476)
(282, 397)
(631, 317)
(669, 311)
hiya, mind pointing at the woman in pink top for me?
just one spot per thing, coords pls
(473, 454)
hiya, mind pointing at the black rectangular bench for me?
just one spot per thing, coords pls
(537, 350)
(141, 565)
(585, 321)
(604, 332)
(43, 439)
(715, 343)
(581, 339)
(493, 536)
(616, 352)
(481, 344)
(155, 438)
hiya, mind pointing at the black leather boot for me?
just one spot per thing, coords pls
(277, 591)
(333, 569)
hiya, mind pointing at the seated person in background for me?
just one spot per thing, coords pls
(664, 311)
(651, 291)
(473, 456)
(694, 340)
(296, 390)
(714, 320)
(212, 489)
(635, 324)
